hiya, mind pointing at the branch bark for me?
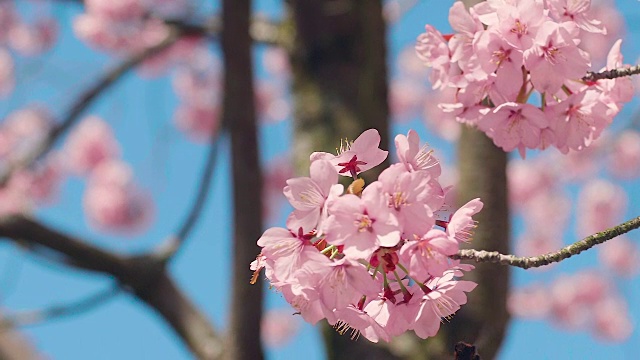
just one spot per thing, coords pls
(240, 118)
(144, 275)
(546, 259)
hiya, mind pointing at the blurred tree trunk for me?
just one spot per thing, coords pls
(239, 117)
(340, 89)
(483, 321)
(340, 77)
(338, 59)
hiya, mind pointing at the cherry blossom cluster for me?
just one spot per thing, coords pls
(503, 52)
(126, 25)
(25, 38)
(374, 259)
(112, 200)
(129, 26)
(19, 133)
(197, 84)
(583, 300)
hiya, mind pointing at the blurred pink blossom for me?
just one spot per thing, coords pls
(531, 302)
(624, 159)
(598, 44)
(612, 320)
(34, 39)
(7, 73)
(601, 204)
(91, 143)
(529, 179)
(276, 61)
(199, 123)
(278, 327)
(621, 256)
(112, 201)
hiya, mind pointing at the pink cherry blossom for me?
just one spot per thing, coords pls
(405, 98)
(116, 10)
(429, 255)
(199, 123)
(555, 58)
(438, 121)
(413, 197)
(513, 125)
(34, 39)
(624, 159)
(278, 327)
(519, 23)
(350, 259)
(7, 73)
(531, 302)
(276, 61)
(112, 201)
(611, 319)
(360, 322)
(579, 120)
(621, 256)
(362, 224)
(461, 225)
(601, 204)
(286, 252)
(576, 11)
(598, 44)
(414, 157)
(91, 143)
(441, 299)
(356, 157)
(307, 195)
(529, 179)
(433, 49)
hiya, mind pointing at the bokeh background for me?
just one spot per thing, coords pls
(141, 108)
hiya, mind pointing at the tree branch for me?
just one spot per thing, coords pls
(173, 244)
(81, 104)
(239, 116)
(546, 259)
(611, 74)
(56, 311)
(144, 275)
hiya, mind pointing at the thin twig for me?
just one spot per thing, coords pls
(611, 74)
(546, 259)
(80, 105)
(83, 305)
(171, 246)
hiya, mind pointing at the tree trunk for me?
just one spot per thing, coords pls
(239, 117)
(338, 60)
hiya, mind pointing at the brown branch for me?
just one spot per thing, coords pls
(144, 275)
(546, 259)
(83, 305)
(174, 243)
(109, 78)
(239, 116)
(612, 74)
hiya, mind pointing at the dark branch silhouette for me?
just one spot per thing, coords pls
(38, 316)
(145, 276)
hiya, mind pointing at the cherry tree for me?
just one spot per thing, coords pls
(384, 240)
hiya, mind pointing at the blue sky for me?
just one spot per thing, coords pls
(140, 111)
